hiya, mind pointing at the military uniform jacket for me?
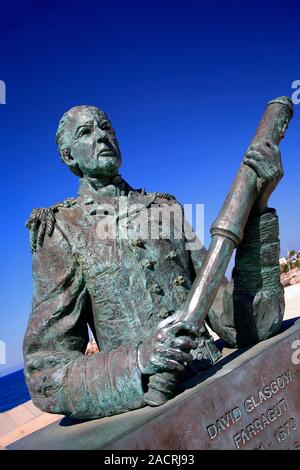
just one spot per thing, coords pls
(120, 287)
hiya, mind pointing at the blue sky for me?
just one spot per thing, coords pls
(184, 83)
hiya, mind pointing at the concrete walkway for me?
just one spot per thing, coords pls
(21, 421)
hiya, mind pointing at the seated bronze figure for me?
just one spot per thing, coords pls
(126, 290)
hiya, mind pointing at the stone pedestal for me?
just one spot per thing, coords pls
(248, 400)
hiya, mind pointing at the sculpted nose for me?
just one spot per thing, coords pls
(101, 135)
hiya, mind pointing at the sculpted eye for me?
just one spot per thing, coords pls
(85, 131)
(105, 126)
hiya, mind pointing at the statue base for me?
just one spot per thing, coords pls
(249, 399)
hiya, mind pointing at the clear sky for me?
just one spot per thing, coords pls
(184, 83)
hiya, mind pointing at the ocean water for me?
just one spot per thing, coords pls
(13, 390)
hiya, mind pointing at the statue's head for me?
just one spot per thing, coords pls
(87, 142)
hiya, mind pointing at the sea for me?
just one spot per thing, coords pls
(13, 390)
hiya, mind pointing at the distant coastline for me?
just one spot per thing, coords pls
(13, 390)
(6, 370)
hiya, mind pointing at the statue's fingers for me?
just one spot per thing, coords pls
(272, 170)
(265, 156)
(41, 233)
(184, 342)
(177, 355)
(271, 145)
(184, 326)
(257, 164)
(164, 364)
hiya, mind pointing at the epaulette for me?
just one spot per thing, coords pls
(42, 212)
(42, 221)
(167, 196)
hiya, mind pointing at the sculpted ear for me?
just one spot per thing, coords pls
(67, 158)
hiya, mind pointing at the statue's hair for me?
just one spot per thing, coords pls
(62, 140)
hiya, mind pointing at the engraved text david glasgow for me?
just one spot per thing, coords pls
(266, 407)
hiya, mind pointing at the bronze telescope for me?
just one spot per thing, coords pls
(227, 233)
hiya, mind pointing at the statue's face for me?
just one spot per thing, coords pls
(94, 145)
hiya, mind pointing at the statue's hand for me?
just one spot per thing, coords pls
(167, 349)
(265, 160)
(40, 222)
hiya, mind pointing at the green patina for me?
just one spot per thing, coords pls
(128, 290)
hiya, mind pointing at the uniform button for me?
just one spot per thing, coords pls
(182, 296)
(137, 242)
(164, 235)
(164, 313)
(155, 288)
(179, 281)
(171, 255)
(88, 201)
(148, 264)
(128, 224)
(69, 202)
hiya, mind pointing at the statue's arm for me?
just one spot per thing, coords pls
(61, 379)
(253, 302)
(251, 307)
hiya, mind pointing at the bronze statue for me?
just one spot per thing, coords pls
(129, 290)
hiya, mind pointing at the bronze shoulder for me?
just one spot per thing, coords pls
(42, 220)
